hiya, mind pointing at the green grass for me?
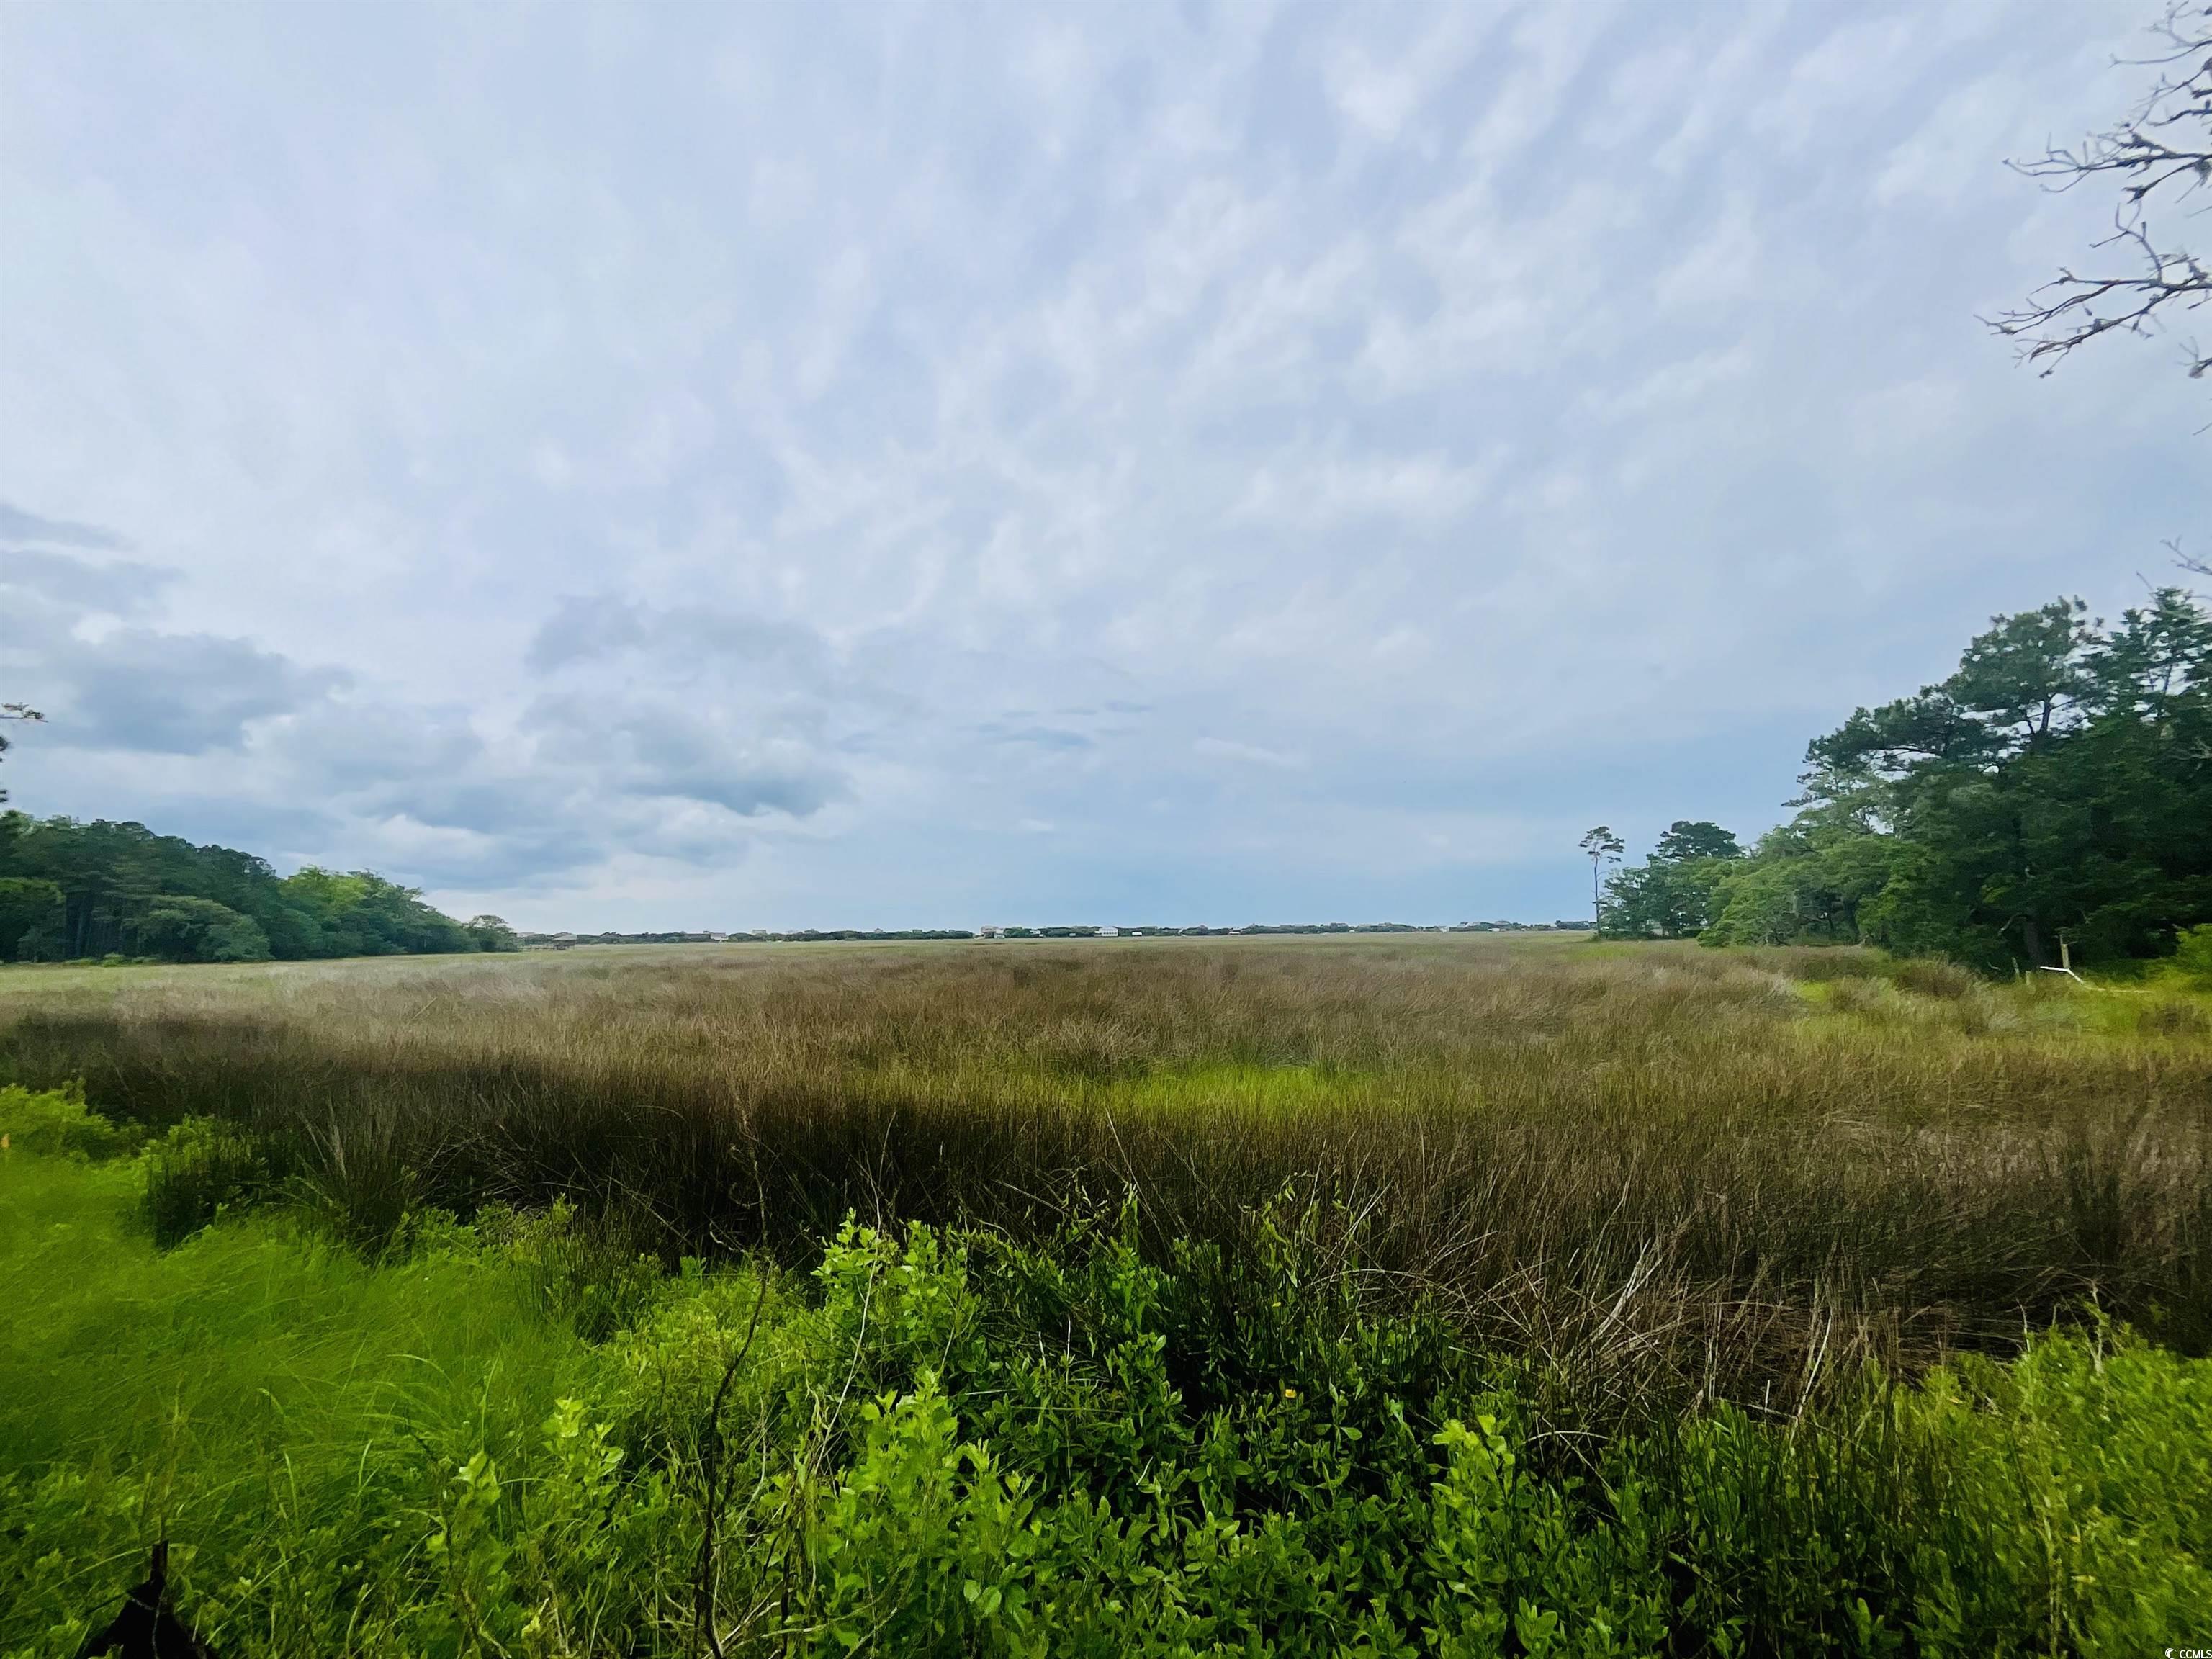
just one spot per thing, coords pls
(1677, 1172)
(1451, 1296)
(258, 1393)
(496, 1439)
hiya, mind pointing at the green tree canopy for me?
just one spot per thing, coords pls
(492, 933)
(2057, 786)
(69, 890)
(1670, 894)
(178, 928)
(1686, 840)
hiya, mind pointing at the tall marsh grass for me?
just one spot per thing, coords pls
(507, 1439)
(1676, 1172)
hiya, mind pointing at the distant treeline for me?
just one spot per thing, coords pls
(1335, 927)
(814, 935)
(2050, 799)
(810, 935)
(72, 891)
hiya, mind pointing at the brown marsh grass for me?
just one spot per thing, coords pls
(1663, 1168)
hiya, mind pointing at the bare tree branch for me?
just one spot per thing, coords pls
(2162, 155)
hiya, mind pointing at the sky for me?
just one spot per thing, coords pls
(731, 467)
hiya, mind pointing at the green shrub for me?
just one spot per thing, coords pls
(2064, 1495)
(944, 1442)
(195, 1172)
(58, 1121)
(586, 1273)
(1932, 976)
(2193, 956)
(2173, 1017)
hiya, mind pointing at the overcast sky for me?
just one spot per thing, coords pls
(652, 467)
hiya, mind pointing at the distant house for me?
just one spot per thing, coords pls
(990, 933)
(1109, 932)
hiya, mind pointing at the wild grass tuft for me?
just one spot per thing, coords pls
(1670, 1173)
(942, 1442)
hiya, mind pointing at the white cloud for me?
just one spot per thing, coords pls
(1860, 62)
(1379, 86)
(684, 466)
(1690, 381)
(1722, 268)
(1252, 754)
(1305, 492)
(1960, 148)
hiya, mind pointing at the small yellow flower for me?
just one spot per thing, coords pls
(1290, 1394)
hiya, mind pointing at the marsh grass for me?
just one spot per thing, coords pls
(1673, 1173)
(507, 1438)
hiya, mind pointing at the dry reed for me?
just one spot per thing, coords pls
(1670, 1170)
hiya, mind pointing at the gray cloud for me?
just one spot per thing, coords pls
(17, 525)
(1408, 432)
(743, 755)
(584, 630)
(135, 688)
(1044, 736)
(120, 587)
(673, 754)
(359, 748)
(581, 629)
(176, 694)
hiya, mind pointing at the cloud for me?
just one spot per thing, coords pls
(1309, 492)
(583, 630)
(18, 526)
(1251, 753)
(582, 772)
(1379, 91)
(117, 587)
(1722, 269)
(748, 714)
(135, 688)
(1687, 381)
(1044, 736)
(1956, 149)
(745, 761)
(176, 694)
(735, 467)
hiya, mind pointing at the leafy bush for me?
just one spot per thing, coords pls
(195, 1172)
(57, 1123)
(944, 1442)
(2066, 1491)
(2193, 956)
(587, 1274)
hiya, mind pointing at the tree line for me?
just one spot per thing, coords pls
(2051, 799)
(71, 892)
